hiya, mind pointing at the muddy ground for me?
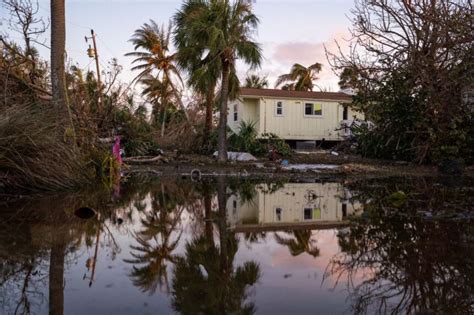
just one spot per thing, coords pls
(172, 164)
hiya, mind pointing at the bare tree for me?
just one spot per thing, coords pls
(24, 19)
(429, 45)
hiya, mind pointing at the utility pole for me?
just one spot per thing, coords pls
(92, 53)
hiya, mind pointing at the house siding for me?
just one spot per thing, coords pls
(293, 124)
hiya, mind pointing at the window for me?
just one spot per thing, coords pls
(234, 206)
(312, 213)
(344, 210)
(279, 108)
(236, 112)
(278, 214)
(345, 113)
(311, 109)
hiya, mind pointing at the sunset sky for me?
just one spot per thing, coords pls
(289, 31)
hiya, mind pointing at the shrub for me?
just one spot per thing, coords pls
(246, 141)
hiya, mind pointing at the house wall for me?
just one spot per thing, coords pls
(247, 111)
(293, 124)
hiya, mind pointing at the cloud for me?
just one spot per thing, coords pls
(284, 55)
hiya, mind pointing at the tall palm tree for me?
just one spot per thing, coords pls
(256, 82)
(58, 49)
(300, 77)
(152, 56)
(218, 32)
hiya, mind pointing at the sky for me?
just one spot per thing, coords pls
(290, 31)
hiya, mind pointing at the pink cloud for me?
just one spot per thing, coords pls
(306, 53)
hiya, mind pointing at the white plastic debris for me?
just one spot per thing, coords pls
(239, 156)
(203, 271)
(334, 153)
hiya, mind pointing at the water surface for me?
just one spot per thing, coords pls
(227, 246)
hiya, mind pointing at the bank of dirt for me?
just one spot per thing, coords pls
(172, 164)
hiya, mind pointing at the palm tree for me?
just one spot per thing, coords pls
(300, 77)
(256, 82)
(58, 49)
(152, 56)
(217, 33)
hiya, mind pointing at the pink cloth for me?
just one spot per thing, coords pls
(116, 150)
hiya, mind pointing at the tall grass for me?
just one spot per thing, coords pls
(33, 153)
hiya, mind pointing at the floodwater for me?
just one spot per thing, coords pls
(228, 246)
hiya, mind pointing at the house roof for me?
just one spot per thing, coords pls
(333, 96)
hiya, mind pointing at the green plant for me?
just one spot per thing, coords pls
(246, 141)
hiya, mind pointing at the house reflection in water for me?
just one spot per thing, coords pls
(294, 204)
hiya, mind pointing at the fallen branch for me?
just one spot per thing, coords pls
(142, 159)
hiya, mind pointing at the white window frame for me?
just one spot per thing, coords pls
(235, 113)
(282, 109)
(312, 115)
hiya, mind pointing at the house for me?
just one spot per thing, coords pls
(294, 115)
(294, 204)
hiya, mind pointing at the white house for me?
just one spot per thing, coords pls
(294, 115)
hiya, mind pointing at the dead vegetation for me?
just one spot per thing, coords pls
(32, 157)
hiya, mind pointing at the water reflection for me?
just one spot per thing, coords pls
(229, 247)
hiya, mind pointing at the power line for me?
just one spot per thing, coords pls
(68, 21)
(107, 47)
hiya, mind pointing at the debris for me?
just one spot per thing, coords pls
(284, 163)
(397, 199)
(195, 175)
(203, 271)
(85, 213)
(239, 156)
(334, 153)
(310, 167)
(143, 159)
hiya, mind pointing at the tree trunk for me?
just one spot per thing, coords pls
(163, 122)
(58, 48)
(209, 110)
(222, 142)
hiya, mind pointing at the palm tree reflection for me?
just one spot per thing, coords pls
(156, 243)
(205, 279)
(300, 242)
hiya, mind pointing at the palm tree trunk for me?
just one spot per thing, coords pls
(178, 98)
(209, 109)
(58, 48)
(163, 122)
(222, 141)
